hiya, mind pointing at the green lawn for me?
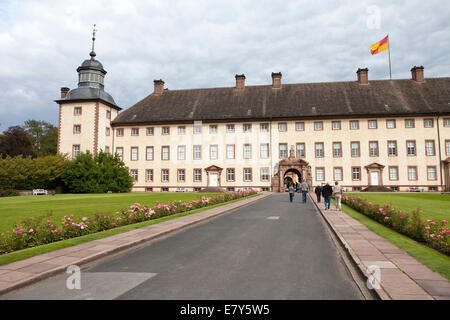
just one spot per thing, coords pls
(80, 205)
(433, 206)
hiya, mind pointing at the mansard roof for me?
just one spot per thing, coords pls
(304, 100)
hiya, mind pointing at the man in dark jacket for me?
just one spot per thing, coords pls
(318, 192)
(327, 191)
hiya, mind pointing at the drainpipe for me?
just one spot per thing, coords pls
(440, 155)
(271, 159)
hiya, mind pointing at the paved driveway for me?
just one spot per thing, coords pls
(271, 249)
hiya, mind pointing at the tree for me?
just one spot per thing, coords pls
(44, 137)
(14, 142)
(99, 174)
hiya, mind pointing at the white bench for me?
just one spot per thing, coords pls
(39, 191)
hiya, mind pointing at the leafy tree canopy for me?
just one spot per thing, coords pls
(16, 142)
(43, 135)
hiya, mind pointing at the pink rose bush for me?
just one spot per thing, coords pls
(434, 233)
(38, 231)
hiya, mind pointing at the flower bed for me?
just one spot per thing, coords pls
(434, 233)
(38, 231)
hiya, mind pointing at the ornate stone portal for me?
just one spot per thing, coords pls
(292, 164)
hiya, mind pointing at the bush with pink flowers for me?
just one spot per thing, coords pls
(434, 233)
(38, 231)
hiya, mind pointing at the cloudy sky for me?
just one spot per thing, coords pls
(195, 44)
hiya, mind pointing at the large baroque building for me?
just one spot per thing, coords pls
(394, 133)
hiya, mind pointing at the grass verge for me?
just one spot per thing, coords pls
(31, 252)
(433, 259)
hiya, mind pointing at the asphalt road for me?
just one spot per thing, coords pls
(271, 249)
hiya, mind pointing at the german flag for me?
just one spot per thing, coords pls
(379, 46)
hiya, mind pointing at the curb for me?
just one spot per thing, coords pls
(174, 226)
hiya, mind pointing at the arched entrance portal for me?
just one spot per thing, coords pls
(294, 168)
(292, 176)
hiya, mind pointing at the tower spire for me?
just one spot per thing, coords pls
(92, 54)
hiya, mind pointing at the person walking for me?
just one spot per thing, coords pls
(337, 190)
(304, 188)
(327, 191)
(318, 191)
(291, 193)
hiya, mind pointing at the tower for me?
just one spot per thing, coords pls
(85, 113)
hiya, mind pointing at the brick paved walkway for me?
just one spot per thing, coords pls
(25, 272)
(402, 277)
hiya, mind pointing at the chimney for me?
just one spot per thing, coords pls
(276, 80)
(417, 74)
(159, 86)
(64, 91)
(240, 81)
(363, 76)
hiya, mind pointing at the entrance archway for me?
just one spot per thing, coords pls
(297, 169)
(292, 176)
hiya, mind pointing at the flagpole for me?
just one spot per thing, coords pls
(389, 52)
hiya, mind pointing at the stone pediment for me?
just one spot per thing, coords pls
(295, 162)
(374, 165)
(213, 168)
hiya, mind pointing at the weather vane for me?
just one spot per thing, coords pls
(93, 38)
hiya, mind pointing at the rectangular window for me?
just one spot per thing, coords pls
(354, 124)
(318, 125)
(134, 174)
(197, 152)
(282, 126)
(336, 125)
(264, 151)
(165, 175)
(355, 149)
(119, 152)
(77, 111)
(320, 174)
(108, 114)
(150, 131)
(247, 127)
(337, 149)
(197, 175)
(319, 149)
(431, 173)
(165, 130)
(300, 126)
(428, 123)
(393, 173)
(247, 151)
(77, 128)
(107, 131)
(338, 174)
(356, 173)
(447, 122)
(230, 128)
(165, 153)
(264, 127)
(213, 152)
(283, 150)
(181, 152)
(247, 174)
(372, 124)
(264, 174)
(181, 130)
(134, 131)
(447, 147)
(429, 147)
(213, 129)
(107, 149)
(412, 173)
(301, 153)
(134, 153)
(75, 150)
(149, 153)
(149, 175)
(411, 148)
(120, 132)
(230, 174)
(181, 175)
(390, 124)
(409, 123)
(373, 148)
(392, 148)
(230, 151)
